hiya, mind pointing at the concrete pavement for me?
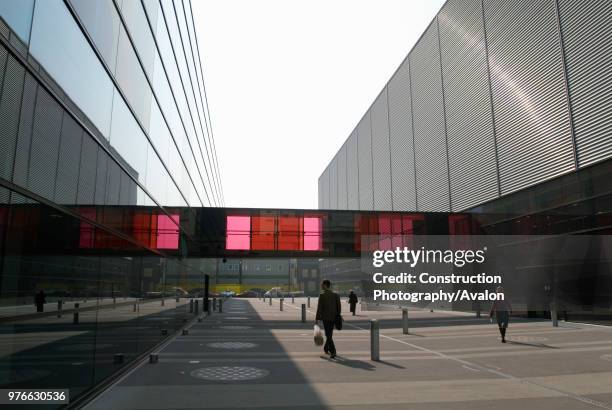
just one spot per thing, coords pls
(254, 356)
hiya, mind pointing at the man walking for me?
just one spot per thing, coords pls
(328, 309)
(352, 300)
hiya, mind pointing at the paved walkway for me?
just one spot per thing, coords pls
(254, 356)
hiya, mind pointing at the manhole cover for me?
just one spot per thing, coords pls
(83, 347)
(229, 373)
(236, 318)
(607, 357)
(232, 345)
(235, 327)
(527, 339)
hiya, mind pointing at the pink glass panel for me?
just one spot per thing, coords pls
(312, 234)
(167, 231)
(238, 233)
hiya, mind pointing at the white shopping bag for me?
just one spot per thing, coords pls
(318, 335)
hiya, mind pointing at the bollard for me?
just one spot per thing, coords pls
(75, 316)
(374, 342)
(214, 304)
(59, 308)
(177, 299)
(553, 315)
(292, 299)
(270, 300)
(164, 332)
(138, 305)
(220, 306)
(405, 320)
(303, 313)
(134, 307)
(153, 358)
(118, 358)
(308, 301)
(114, 302)
(196, 308)
(281, 304)
(163, 301)
(191, 306)
(185, 332)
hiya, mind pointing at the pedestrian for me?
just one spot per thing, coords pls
(502, 310)
(328, 310)
(352, 300)
(39, 301)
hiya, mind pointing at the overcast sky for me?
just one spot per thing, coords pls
(288, 80)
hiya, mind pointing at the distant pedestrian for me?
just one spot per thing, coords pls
(40, 300)
(352, 300)
(502, 310)
(328, 310)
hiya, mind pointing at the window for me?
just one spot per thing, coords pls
(238, 235)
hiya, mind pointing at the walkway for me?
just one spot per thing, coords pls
(254, 356)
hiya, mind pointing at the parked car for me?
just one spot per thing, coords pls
(228, 293)
(247, 294)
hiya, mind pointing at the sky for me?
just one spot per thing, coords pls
(288, 80)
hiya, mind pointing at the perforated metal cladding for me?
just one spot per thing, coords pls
(364, 149)
(469, 122)
(429, 130)
(45, 145)
(587, 41)
(342, 190)
(325, 189)
(87, 171)
(67, 180)
(530, 104)
(127, 192)
(381, 157)
(401, 140)
(352, 171)
(10, 104)
(113, 183)
(24, 137)
(320, 186)
(333, 183)
(101, 171)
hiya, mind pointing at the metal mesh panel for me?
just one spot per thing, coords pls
(325, 188)
(113, 183)
(469, 122)
(24, 138)
(10, 104)
(364, 149)
(333, 183)
(45, 145)
(531, 114)
(352, 172)
(401, 140)
(320, 198)
(587, 31)
(429, 129)
(342, 192)
(381, 157)
(101, 171)
(68, 163)
(87, 171)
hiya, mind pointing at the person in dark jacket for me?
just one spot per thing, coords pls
(352, 300)
(328, 309)
(39, 301)
(502, 310)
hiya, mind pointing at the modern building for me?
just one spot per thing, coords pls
(501, 107)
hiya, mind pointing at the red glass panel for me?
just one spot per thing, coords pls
(263, 229)
(290, 232)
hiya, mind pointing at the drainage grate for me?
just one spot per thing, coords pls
(235, 327)
(232, 345)
(229, 373)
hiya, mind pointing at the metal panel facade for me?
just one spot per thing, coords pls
(342, 191)
(469, 119)
(429, 127)
(364, 147)
(333, 183)
(352, 171)
(381, 158)
(587, 39)
(401, 140)
(532, 125)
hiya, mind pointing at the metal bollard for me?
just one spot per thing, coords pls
(196, 308)
(185, 332)
(164, 332)
(214, 304)
(114, 302)
(405, 320)
(59, 308)
(177, 299)
(553, 315)
(163, 301)
(220, 306)
(191, 306)
(153, 358)
(374, 340)
(292, 299)
(270, 300)
(118, 358)
(303, 313)
(134, 307)
(308, 301)
(281, 304)
(75, 316)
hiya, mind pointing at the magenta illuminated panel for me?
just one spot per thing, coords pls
(238, 233)
(312, 234)
(167, 231)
